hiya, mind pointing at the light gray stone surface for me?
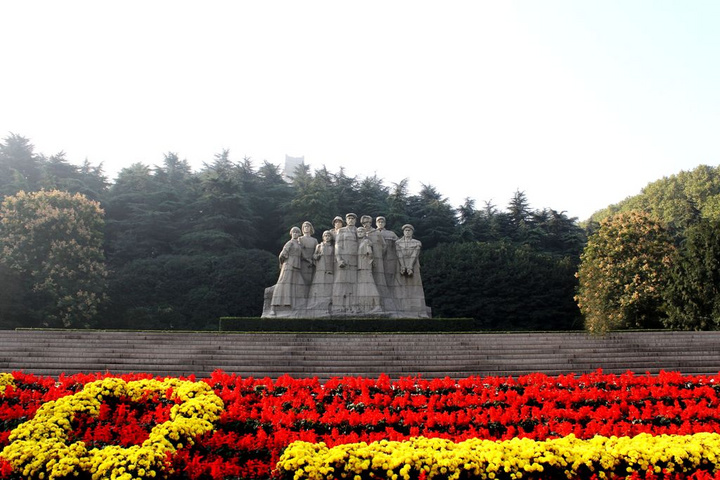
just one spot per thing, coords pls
(289, 293)
(308, 243)
(354, 272)
(325, 355)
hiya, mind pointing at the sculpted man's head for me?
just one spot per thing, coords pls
(380, 222)
(408, 230)
(327, 236)
(366, 221)
(350, 219)
(337, 222)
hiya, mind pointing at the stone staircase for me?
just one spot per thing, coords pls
(51, 352)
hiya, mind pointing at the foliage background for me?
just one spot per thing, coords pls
(183, 248)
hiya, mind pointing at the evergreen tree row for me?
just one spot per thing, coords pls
(185, 247)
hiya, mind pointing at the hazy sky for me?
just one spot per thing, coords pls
(577, 103)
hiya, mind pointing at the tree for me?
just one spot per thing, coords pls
(519, 209)
(489, 225)
(678, 200)
(433, 217)
(59, 174)
(148, 212)
(271, 199)
(398, 201)
(52, 241)
(519, 219)
(190, 291)
(467, 214)
(622, 272)
(224, 218)
(320, 197)
(175, 198)
(20, 167)
(372, 197)
(13, 304)
(132, 216)
(345, 191)
(692, 294)
(315, 200)
(503, 285)
(553, 231)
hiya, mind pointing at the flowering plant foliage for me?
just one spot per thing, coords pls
(56, 239)
(40, 447)
(566, 457)
(5, 379)
(235, 427)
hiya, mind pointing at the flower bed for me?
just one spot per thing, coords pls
(225, 426)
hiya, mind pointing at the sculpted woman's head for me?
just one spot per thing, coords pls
(308, 229)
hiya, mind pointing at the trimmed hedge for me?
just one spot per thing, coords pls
(256, 324)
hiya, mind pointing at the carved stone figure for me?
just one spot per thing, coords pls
(320, 296)
(368, 296)
(308, 243)
(346, 258)
(354, 271)
(389, 255)
(337, 225)
(409, 294)
(380, 246)
(289, 292)
(366, 222)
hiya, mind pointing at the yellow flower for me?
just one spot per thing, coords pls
(483, 458)
(6, 379)
(40, 444)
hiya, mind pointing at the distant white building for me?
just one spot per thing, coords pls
(291, 164)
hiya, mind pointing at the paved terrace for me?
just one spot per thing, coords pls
(51, 352)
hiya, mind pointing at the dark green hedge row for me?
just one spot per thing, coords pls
(254, 324)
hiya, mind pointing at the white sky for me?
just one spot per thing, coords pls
(577, 103)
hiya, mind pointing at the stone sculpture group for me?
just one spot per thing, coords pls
(355, 271)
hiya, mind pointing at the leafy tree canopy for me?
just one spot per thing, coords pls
(678, 200)
(692, 294)
(174, 237)
(506, 286)
(622, 273)
(52, 241)
(22, 169)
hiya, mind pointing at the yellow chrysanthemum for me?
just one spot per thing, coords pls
(5, 380)
(487, 458)
(39, 447)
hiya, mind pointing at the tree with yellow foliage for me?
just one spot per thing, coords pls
(51, 242)
(622, 273)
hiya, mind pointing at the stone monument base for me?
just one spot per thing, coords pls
(417, 310)
(349, 325)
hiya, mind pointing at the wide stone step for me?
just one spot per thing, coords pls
(52, 352)
(195, 356)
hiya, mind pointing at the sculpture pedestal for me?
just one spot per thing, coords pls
(414, 309)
